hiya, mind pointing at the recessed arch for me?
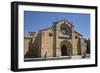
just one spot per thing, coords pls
(64, 50)
(65, 46)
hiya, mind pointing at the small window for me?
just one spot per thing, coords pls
(50, 34)
(76, 37)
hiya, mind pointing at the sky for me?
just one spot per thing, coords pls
(35, 21)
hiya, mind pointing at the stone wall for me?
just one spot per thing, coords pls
(47, 43)
(62, 39)
(28, 46)
(75, 43)
(83, 46)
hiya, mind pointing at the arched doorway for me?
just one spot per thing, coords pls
(64, 50)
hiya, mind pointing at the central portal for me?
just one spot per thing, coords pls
(64, 50)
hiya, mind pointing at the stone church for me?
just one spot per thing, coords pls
(59, 40)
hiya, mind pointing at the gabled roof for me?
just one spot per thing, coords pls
(45, 29)
(78, 33)
(65, 21)
(55, 23)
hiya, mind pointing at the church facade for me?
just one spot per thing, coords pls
(59, 40)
